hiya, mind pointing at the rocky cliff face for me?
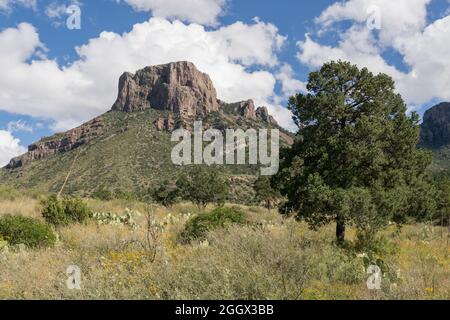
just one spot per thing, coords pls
(435, 131)
(58, 144)
(178, 87)
(247, 110)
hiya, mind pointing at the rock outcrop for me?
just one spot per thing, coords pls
(70, 140)
(165, 124)
(263, 114)
(435, 131)
(247, 110)
(177, 87)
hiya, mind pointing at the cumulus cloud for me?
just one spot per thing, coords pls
(205, 12)
(9, 147)
(398, 18)
(289, 84)
(404, 29)
(34, 85)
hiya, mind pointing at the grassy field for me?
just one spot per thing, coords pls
(270, 258)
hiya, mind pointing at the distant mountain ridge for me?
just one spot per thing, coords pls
(435, 130)
(129, 146)
(435, 135)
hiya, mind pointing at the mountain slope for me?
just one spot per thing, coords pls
(435, 135)
(128, 149)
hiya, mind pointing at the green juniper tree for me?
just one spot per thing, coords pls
(355, 160)
(265, 192)
(165, 194)
(203, 185)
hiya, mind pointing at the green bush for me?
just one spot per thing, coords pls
(64, 211)
(197, 227)
(103, 194)
(165, 194)
(27, 231)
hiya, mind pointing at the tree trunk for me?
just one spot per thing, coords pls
(340, 230)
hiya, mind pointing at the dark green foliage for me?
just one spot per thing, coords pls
(197, 227)
(64, 211)
(203, 185)
(355, 161)
(442, 214)
(28, 231)
(165, 194)
(125, 195)
(103, 194)
(265, 192)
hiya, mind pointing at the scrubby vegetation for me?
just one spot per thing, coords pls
(65, 210)
(27, 231)
(203, 186)
(268, 257)
(197, 227)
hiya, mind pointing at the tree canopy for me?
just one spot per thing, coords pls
(264, 191)
(355, 160)
(203, 186)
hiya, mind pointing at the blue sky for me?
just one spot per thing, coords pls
(54, 78)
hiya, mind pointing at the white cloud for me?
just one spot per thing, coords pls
(72, 94)
(404, 29)
(6, 5)
(198, 11)
(9, 147)
(398, 18)
(290, 85)
(249, 44)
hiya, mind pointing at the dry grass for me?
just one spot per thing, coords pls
(20, 206)
(272, 258)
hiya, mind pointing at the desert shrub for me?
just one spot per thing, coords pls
(3, 242)
(375, 243)
(65, 210)
(27, 231)
(125, 195)
(197, 227)
(103, 194)
(8, 193)
(165, 194)
(203, 186)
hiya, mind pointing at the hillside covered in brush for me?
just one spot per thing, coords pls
(128, 149)
(435, 135)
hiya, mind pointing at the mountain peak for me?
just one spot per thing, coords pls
(177, 87)
(435, 131)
